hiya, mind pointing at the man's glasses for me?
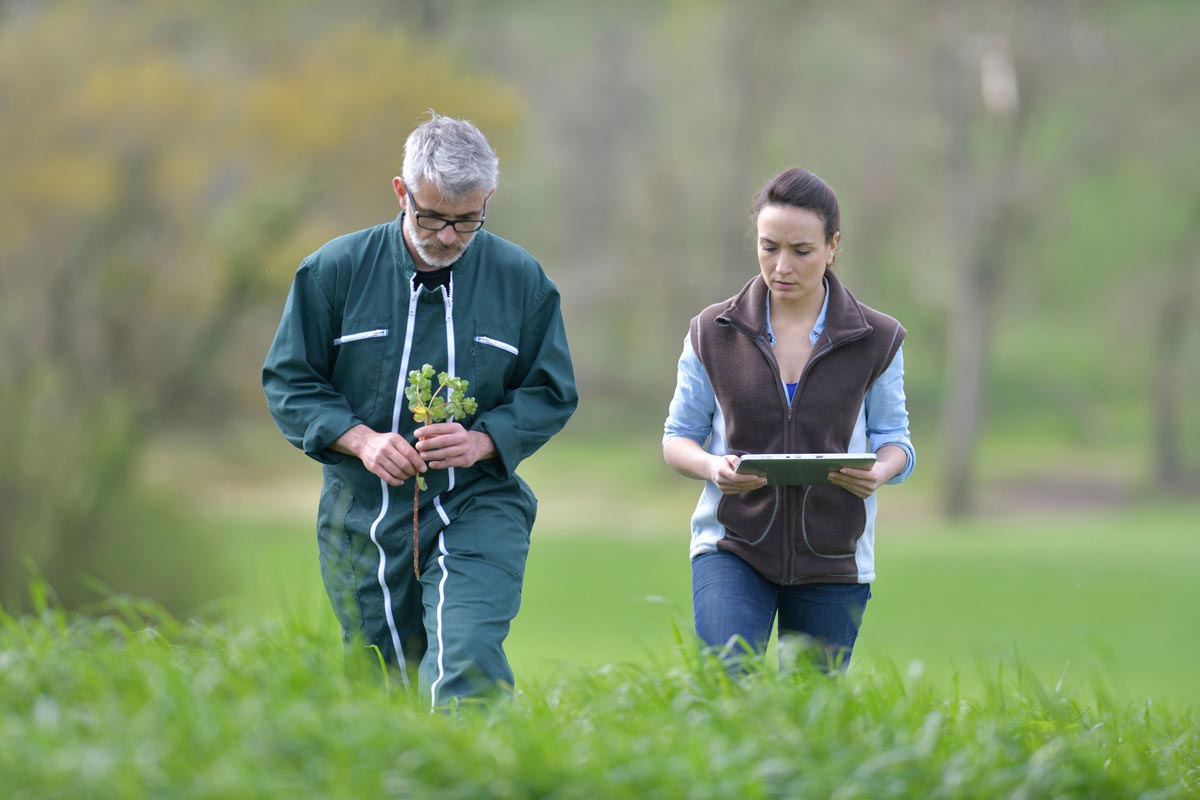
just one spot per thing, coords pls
(431, 222)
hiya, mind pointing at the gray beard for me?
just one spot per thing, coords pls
(428, 254)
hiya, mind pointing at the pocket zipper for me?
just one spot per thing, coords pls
(355, 337)
(497, 343)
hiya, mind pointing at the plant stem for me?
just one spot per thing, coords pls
(416, 539)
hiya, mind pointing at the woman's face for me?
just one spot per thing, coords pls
(792, 250)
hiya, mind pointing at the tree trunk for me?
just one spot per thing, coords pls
(984, 200)
(1177, 301)
(969, 314)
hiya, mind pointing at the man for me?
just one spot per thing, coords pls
(365, 309)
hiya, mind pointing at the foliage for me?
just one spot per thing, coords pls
(71, 511)
(165, 170)
(861, 100)
(166, 166)
(132, 702)
(428, 405)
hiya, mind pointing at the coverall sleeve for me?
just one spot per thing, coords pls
(543, 396)
(311, 414)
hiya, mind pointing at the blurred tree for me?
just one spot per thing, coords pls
(980, 98)
(1169, 129)
(956, 134)
(1016, 181)
(1177, 314)
(1017, 148)
(1005, 76)
(165, 170)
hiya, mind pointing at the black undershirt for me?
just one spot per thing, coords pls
(433, 279)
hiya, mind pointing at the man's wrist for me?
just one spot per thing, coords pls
(351, 441)
(482, 446)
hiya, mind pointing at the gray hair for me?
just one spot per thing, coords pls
(453, 155)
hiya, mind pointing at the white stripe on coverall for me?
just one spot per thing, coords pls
(383, 487)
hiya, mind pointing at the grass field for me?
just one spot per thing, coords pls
(1041, 654)
(1096, 596)
(136, 704)
(1060, 597)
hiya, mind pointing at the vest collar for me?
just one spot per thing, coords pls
(844, 318)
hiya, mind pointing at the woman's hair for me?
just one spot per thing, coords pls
(800, 188)
(453, 155)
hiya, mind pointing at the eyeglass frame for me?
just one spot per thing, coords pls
(418, 215)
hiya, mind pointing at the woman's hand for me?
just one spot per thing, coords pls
(862, 483)
(688, 458)
(729, 481)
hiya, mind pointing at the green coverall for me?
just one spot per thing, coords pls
(352, 328)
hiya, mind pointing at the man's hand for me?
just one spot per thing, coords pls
(387, 455)
(449, 444)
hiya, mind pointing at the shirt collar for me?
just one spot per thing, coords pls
(818, 326)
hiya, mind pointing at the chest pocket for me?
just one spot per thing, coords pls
(358, 355)
(494, 352)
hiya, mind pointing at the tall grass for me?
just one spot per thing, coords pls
(130, 702)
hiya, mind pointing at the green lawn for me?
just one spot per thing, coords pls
(1008, 657)
(1102, 597)
(1095, 597)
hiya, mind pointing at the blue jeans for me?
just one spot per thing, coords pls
(731, 600)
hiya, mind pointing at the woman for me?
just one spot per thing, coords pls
(790, 364)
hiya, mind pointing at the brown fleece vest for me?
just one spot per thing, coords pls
(793, 534)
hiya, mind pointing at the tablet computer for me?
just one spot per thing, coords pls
(793, 469)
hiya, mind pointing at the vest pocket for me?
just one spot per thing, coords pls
(750, 517)
(831, 521)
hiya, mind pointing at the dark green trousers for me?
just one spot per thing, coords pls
(450, 625)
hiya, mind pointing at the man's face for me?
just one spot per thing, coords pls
(443, 247)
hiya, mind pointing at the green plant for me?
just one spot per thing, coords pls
(132, 702)
(429, 406)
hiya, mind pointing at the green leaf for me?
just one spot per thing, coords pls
(430, 406)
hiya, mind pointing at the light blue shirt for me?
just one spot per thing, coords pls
(695, 414)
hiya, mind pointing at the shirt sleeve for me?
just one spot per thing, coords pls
(692, 408)
(887, 416)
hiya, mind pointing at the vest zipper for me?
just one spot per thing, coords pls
(769, 355)
(792, 539)
(787, 551)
